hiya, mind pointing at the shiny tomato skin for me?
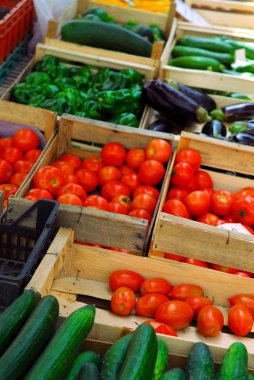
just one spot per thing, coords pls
(107, 173)
(65, 167)
(96, 201)
(127, 278)
(71, 159)
(146, 189)
(135, 157)
(221, 202)
(71, 178)
(173, 256)
(182, 174)
(197, 203)
(208, 218)
(132, 181)
(191, 156)
(32, 155)
(12, 154)
(242, 210)
(5, 171)
(199, 263)
(18, 178)
(140, 213)
(113, 153)
(182, 291)
(22, 166)
(198, 302)
(70, 199)
(72, 188)
(5, 142)
(145, 202)
(25, 139)
(155, 285)
(244, 192)
(8, 189)
(123, 301)
(161, 328)
(204, 180)
(117, 208)
(39, 193)
(123, 200)
(88, 179)
(179, 193)
(159, 150)
(112, 188)
(210, 321)
(125, 169)
(223, 268)
(151, 172)
(48, 178)
(176, 207)
(146, 305)
(246, 299)
(93, 163)
(240, 319)
(177, 314)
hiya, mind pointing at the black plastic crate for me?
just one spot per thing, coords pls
(22, 247)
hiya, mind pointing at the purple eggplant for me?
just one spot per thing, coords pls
(246, 137)
(214, 128)
(234, 112)
(168, 126)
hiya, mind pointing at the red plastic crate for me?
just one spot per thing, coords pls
(16, 25)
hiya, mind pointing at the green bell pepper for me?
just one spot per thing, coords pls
(51, 90)
(71, 96)
(132, 76)
(57, 105)
(90, 107)
(37, 101)
(63, 71)
(131, 24)
(48, 64)
(120, 101)
(113, 80)
(100, 13)
(37, 78)
(64, 83)
(125, 118)
(82, 78)
(23, 92)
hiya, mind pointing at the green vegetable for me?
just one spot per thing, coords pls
(158, 33)
(249, 50)
(63, 71)
(57, 105)
(112, 80)
(248, 66)
(37, 78)
(82, 78)
(126, 118)
(236, 95)
(184, 51)
(70, 96)
(197, 63)
(64, 83)
(161, 360)
(100, 13)
(50, 89)
(234, 365)
(200, 364)
(250, 376)
(145, 32)
(81, 359)
(174, 374)
(118, 101)
(91, 108)
(89, 371)
(36, 101)
(212, 44)
(91, 17)
(48, 64)
(23, 92)
(238, 126)
(131, 24)
(132, 76)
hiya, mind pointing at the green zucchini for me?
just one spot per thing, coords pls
(140, 359)
(114, 357)
(161, 360)
(200, 364)
(234, 365)
(81, 359)
(174, 374)
(180, 51)
(13, 318)
(249, 50)
(211, 44)
(30, 341)
(197, 63)
(105, 36)
(248, 67)
(89, 371)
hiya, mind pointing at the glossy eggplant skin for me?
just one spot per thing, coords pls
(168, 126)
(246, 137)
(236, 112)
(214, 128)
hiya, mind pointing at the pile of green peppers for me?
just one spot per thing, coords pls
(87, 91)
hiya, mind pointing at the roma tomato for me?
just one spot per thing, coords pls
(177, 314)
(246, 299)
(12, 154)
(198, 302)
(123, 200)
(108, 173)
(161, 328)
(48, 178)
(93, 163)
(182, 291)
(96, 201)
(123, 301)
(159, 150)
(182, 174)
(146, 305)
(22, 166)
(155, 285)
(25, 139)
(71, 159)
(240, 319)
(18, 178)
(39, 193)
(127, 278)
(112, 188)
(208, 218)
(135, 157)
(141, 213)
(145, 202)
(5, 171)
(242, 210)
(70, 199)
(210, 321)
(197, 203)
(191, 156)
(8, 189)
(179, 193)
(72, 188)
(221, 202)
(32, 155)
(199, 263)
(131, 180)
(146, 189)
(204, 180)
(175, 207)
(88, 179)
(113, 153)
(173, 256)
(151, 172)
(117, 208)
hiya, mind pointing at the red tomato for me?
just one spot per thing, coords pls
(159, 150)
(71, 159)
(172, 256)
(197, 203)
(221, 202)
(182, 174)
(209, 192)
(199, 263)
(18, 178)
(246, 299)
(151, 172)
(208, 218)
(88, 179)
(155, 285)
(182, 291)
(125, 169)
(48, 178)
(161, 328)
(127, 278)
(112, 188)
(123, 199)
(25, 139)
(96, 201)
(177, 314)
(8, 189)
(123, 301)
(22, 166)
(146, 189)
(145, 202)
(242, 210)
(141, 213)
(135, 157)
(240, 320)
(70, 199)
(72, 188)
(210, 321)
(223, 268)
(65, 167)
(5, 171)
(12, 154)
(108, 173)
(244, 192)
(248, 228)
(113, 153)
(32, 155)
(71, 178)
(5, 142)
(131, 181)
(198, 302)
(39, 193)
(243, 274)
(191, 156)
(93, 163)
(204, 180)
(146, 305)
(177, 193)
(117, 208)
(192, 185)
(176, 207)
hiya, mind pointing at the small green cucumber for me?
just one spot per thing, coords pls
(161, 360)
(81, 359)
(89, 371)
(234, 365)
(174, 374)
(180, 51)
(211, 44)
(197, 63)
(200, 364)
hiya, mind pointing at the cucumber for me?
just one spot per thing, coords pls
(174, 374)
(81, 359)
(180, 51)
(30, 341)
(103, 35)
(234, 365)
(249, 50)
(161, 360)
(13, 318)
(197, 63)
(140, 359)
(114, 357)
(211, 44)
(89, 372)
(200, 364)
(248, 67)
(56, 359)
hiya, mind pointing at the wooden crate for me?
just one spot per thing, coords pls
(115, 230)
(78, 274)
(164, 21)
(202, 79)
(201, 241)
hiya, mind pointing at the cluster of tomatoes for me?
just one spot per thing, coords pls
(192, 195)
(175, 307)
(17, 156)
(118, 180)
